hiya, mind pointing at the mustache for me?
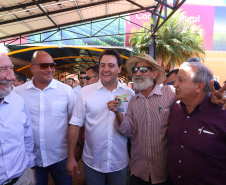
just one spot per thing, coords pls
(7, 82)
(138, 77)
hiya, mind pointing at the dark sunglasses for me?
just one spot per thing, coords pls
(170, 83)
(143, 69)
(82, 77)
(44, 66)
(89, 77)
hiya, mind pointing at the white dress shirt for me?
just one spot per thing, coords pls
(105, 150)
(16, 138)
(50, 110)
(76, 89)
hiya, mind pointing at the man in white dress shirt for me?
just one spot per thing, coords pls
(50, 104)
(105, 153)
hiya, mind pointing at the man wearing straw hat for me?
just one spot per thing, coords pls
(146, 121)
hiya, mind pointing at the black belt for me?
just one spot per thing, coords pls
(12, 181)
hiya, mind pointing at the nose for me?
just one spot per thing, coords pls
(175, 84)
(10, 75)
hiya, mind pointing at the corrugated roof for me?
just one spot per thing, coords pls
(22, 17)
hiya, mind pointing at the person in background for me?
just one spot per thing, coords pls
(105, 152)
(171, 77)
(82, 82)
(92, 75)
(20, 79)
(197, 131)
(71, 82)
(16, 136)
(50, 104)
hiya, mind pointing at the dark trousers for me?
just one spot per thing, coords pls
(133, 180)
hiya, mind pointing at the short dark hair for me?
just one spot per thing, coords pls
(20, 76)
(193, 60)
(111, 52)
(81, 72)
(94, 68)
(73, 80)
(171, 72)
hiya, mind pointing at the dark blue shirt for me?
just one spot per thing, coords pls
(197, 144)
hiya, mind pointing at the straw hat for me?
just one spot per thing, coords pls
(132, 61)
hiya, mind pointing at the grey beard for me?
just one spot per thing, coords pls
(142, 85)
(6, 90)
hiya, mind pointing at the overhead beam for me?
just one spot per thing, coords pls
(68, 24)
(45, 13)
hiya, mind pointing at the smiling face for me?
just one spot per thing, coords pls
(42, 77)
(109, 70)
(6, 75)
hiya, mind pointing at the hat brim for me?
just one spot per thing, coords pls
(132, 61)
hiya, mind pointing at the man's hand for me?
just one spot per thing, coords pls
(112, 105)
(72, 167)
(218, 97)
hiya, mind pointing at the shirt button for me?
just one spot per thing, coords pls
(179, 161)
(179, 176)
(5, 156)
(188, 117)
(185, 131)
(182, 146)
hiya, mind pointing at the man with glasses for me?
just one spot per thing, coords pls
(82, 81)
(16, 136)
(92, 75)
(105, 153)
(50, 104)
(146, 121)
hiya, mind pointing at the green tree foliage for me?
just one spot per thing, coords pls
(176, 41)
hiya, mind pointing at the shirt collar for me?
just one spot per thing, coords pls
(7, 99)
(200, 106)
(157, 90)
(52, 84)
(100, 85)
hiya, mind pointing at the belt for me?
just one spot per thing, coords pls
(12, 181)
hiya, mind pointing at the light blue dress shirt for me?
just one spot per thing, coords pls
(16, 138)
(105, 150)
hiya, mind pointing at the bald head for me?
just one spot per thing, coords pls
(39, 54)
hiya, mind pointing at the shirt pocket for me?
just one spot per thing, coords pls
(59, 108)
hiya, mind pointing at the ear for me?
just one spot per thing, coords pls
(200, 87)
(120, 68)
(31, 68)
(155, 74)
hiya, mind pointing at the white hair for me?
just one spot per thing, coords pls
(202, 74)
(4, 49)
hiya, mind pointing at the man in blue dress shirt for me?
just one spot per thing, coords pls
(16, 136)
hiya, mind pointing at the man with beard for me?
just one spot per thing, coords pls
(50, 104)
(16, 137)
(146, 121)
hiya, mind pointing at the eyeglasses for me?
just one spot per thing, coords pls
(82, 77)
(89, 77)
(143, 69)
(44, 66)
